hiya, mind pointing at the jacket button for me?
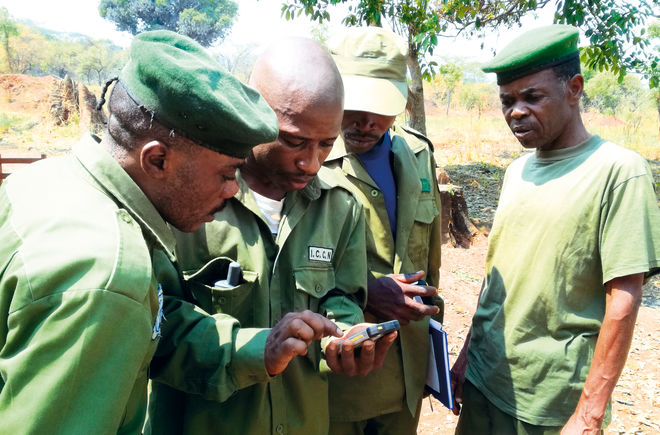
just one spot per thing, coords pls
(319, 288)
(279, 428)
(125, 217)
(374, 193)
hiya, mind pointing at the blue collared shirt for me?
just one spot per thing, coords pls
(378, 163)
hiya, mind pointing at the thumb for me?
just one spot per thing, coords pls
(410, 277)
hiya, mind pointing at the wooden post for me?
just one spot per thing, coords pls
(15, 161)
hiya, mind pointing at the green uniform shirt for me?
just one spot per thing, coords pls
(317, 261)
(401, 380)
(568, 221)
(81, 250)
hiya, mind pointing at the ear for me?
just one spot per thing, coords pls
(155, 159)
(574, 88)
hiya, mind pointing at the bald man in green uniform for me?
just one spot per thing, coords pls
(299, 237)
(576, 230)
(391, 171)
(87, 252)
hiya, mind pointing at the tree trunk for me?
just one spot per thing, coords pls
(415, 105)
(5, 46)
(657, 100)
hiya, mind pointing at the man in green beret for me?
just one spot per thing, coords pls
(391, 171)
(576, 231)
(299, 238)
(87, 257)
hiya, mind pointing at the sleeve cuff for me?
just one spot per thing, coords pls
(249, 365)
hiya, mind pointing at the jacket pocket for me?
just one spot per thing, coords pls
(312, 284)
(426, 211)
(237, 301)
(419, 241)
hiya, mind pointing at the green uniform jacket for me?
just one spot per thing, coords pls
(82, 247)
(316, 262)
(417, 247)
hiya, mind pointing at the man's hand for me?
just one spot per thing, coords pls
(458, 376)
(577, 424)
(391, 297)
(349, 363)
(292, 335)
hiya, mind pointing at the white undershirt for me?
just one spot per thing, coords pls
(271, 209)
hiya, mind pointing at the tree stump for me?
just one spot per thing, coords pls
(63, 101)
(457, 227)
(91, 120)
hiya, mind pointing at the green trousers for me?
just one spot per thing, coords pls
(480, 416)
(395, 423)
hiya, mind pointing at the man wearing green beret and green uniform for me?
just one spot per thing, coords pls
(299, 237)
(391, 171)
(576, 231)
(87, 253)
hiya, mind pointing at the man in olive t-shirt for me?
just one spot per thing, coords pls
(576, 230)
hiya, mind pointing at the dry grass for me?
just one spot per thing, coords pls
(475, 151)
(464, 137)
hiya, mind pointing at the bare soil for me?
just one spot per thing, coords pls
(25, 94)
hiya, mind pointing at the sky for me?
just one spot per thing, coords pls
(259, 22)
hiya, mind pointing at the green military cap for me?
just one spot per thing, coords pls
(534, 51)
(187, 90)
(372, 62)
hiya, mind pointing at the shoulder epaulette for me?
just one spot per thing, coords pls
(398, 129)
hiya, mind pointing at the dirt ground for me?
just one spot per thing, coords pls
(636, 399)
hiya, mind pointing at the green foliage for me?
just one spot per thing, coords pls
(8, 29)
(614, 28)
(17, 123)
(238, 59)
(654, 29)
(478, 96)
(206, 21)
(616, 34)
(320, 34)
(96, 62)
(81, 58)
(604, 93)
(448, 77)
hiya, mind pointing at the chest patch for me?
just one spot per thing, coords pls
(426, 184)
(323, 255)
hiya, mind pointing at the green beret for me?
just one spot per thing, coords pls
(534, 51)
(187, 90)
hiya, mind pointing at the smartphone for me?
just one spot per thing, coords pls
(426, 300)
(371, 333)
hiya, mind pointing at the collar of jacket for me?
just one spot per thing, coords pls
(311, 192)
(111, 178)
(397, 131)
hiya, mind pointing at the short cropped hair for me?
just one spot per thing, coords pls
(130, 123)
(567, 70)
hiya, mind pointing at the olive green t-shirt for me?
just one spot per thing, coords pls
(568, 221)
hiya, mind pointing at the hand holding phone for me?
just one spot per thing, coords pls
(372, 342)
(373, 332)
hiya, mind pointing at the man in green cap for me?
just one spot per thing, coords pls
(299, 238)
(576, 231)
(391, 171)
(87, 254)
